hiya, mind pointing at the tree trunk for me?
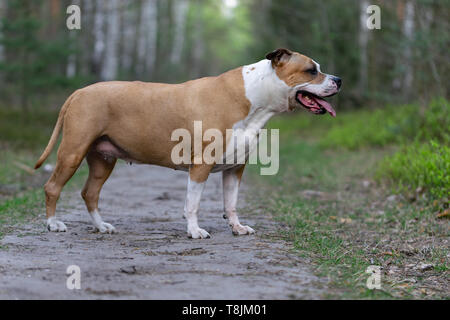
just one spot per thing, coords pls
(109, 70)
(146, 50)
(125, 17)
(99, 38)
(408, 31)
(85, 40)
(163, 40)
(2, 14)
(425, 18)
(71, 67)
(363, 39)
(199, 45)
(180, 11)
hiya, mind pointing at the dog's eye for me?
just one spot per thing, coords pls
(312, 71)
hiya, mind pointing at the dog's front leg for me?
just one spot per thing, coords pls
(196, 183)
(231, 180)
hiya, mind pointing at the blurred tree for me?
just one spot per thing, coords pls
(99, 37)
(363, 38)
(110, 67)
(148, 32)
(29, 63)
(180, 14)
(2, 14)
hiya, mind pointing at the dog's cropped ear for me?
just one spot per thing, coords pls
(278, 55)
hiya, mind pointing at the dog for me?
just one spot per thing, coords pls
(133, 121)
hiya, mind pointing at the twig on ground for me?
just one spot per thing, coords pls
(24, 167)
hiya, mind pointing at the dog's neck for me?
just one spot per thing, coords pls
(267, 94)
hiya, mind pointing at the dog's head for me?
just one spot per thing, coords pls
(308, 85)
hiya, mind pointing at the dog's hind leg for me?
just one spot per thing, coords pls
(69, 159)
(99, 171)
(231, 180)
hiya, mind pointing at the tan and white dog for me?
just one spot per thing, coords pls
(134, 121)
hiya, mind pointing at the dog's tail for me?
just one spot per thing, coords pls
(55, 134)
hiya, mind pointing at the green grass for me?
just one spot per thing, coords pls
(372, 128)
(350, 228)
(312, 223)
(419, 166)
(19, 209)
(357, 129)
(31, 132)
(419, 163)
(355, 222)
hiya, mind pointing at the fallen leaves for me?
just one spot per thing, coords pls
(420, 266)
(444, 214)
(408, 250)
(425, 266)
(345, 220)
(313, 194)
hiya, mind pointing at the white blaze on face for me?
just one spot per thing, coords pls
(317, 65)
(326, 88)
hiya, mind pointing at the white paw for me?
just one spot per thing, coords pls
(104, 227)
(239, 230)
(54, 225)
(198, 233)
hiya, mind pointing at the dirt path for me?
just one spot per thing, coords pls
(151, 256)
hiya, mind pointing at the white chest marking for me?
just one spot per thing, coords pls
(268, 96)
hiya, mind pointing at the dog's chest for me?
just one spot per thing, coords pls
(240, 144)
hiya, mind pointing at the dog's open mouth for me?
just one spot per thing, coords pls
(314, 104)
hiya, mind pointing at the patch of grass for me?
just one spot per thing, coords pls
(424, 163)
(371, 128)
(313, 222)
(348, 227)
(342, 220)
(18, 209)
(29, 132)
(419, 166)
(419, 163)
(353, 130)
(435, 123)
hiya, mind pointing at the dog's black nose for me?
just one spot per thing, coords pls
(338, 81)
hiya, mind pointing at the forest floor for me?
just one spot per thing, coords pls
(151, 256)
(344, 221)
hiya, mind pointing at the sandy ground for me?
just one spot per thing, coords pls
(151, 256)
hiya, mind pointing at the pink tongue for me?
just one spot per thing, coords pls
(325, 105)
